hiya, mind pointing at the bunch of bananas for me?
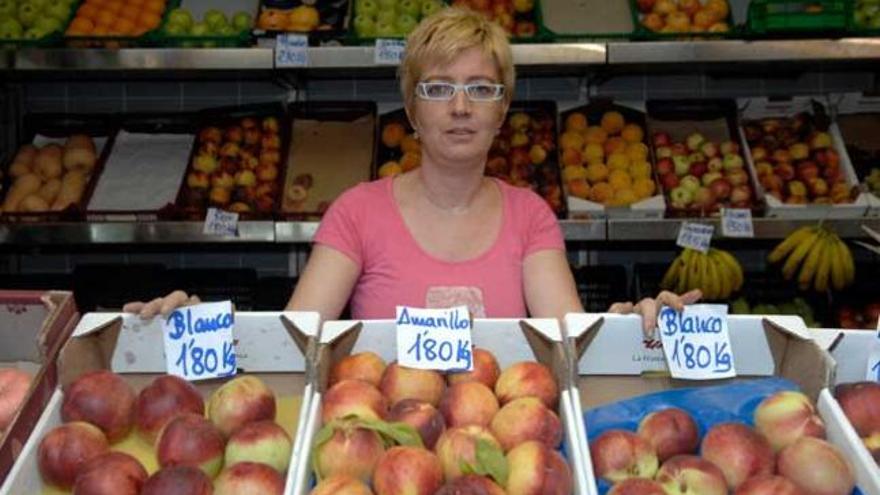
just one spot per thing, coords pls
(823, 259)
(717, 273)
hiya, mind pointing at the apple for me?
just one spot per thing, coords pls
(178, 480)
(103, 399)
(663, 152)
(405, 23)
(816, 467)
(430, 7)
(669, 181)
(729, 148)
(249, 478)
(167, 396)
(737, 177)
(620, 454)
(14, 387)
(741, 194)
(732, 162)
(689, 474)
(721, 188)
(7, 8)
(709, 149)
(368, 8)
(242, 21)
(113, 473)
(680, 149)
(662, 139)
(694, 141)
(806, 170)
(665, 166)
(191, 440)
(215, 19)
(682, 165)
(739, 451)
(819, 140)
(66, 448)
(690, 183)
(681, 197)
(10, 28)
(424, 417)
(410, 7)
(527, 379)
(645, 6)
(698, 169)
(239, 401)
(670, 431)
(260, 441)
(710, 177)
(28, 13)
(818, 187)
(180, 17)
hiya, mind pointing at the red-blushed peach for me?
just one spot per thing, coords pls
(103, 399)
(671, 432)
(458, 446)
(351, 451)
(407, 471)
(191, 440)
(66, 448)
(691, 475)
(620, 454)
(160, 401)
(526, 419)
(399, 382)
(816, 467)
(113, 473)
(768, 485)
(637, 486)
(527, 379)
(537, 470)
(240, 401)
(424, 417)
(365, 366)
(261, 441)
(249, 478)
(471, 484)
(860, 402)
(468, 403)
(739, 451)
(341, 484)
(786, 416)
(486, 370)
(14, 387)
(353, 397)
(178, 480)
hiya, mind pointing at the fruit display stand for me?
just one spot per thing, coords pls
(509, 340)
(271, 346)
(615, 362)
(207, 23)
(858, 118)
(33, 327)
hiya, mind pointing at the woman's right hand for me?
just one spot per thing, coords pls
(161, 305)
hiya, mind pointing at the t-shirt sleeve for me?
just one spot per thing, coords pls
(543, 231)
(340, 227)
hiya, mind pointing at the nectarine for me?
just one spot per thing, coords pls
(537, 470)
(486, 370)
(103, 399)
(66, 448)
(353, 397)
(468, 403)
(424, 417)
(399, 382)
(178, 480)
(786, 416)
(739, 451)
(366, 366)
(14, 386)
(249, 478)
(240, 401)
(191, 440)
(816, 467)
(341, 484)
(526, 419)
(351, 451)
(407, 471)
(163, 399)
(620, 454)
(527, 379)
(457, 447)
(689, 474)
(113, 473)
(260, 441)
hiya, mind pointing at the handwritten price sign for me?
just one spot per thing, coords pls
(219, 222)
(388, 51)
(737, 222)
(291, 50)
(434, 339)
(198, 341)
(695, 236)
(696, 342)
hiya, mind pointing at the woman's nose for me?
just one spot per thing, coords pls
(460, 102)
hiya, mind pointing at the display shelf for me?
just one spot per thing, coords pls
(293, 232)
(765, 228)
(129, 233)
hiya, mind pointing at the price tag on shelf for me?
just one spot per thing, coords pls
(695, 236)
(291, 50)
(198, 341)
(696, 342)
(434, 339)
(737, 222)
(873, 371)
(219, 222)
(388, 51)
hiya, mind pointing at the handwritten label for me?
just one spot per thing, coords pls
(434, 339)
(737, 222)
(873, 371)
(198, 341)
(219, 222)
(292, 50)
(696, 342)
(388, 52)
(695, 236)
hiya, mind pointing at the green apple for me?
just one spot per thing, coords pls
(174, 29)
(48, 24)
(367, 7)
(386, 17)
(365, 26)
(34, 34)
(59, 11)
(875, 22)
(181, 17)
(430, 6)
(7, 8)
(242, 21)
(385, 29)
(405, 23)
(28, 14)
(215, 19)
(228, 31)
(10, 29)
(199, 29)
(410, 7)
(387, 5)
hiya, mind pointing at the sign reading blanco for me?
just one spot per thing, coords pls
(873, 371)
(198, 341)
(696, 342)
(434, 339)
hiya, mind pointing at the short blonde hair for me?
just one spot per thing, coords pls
(440, 38)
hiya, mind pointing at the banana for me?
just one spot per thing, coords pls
(811, 263)
(725, 275)
(838, 270)
(707, 282)
(672, 273)
(733, 267)
(849, 267)
(798, 255)
(790, 243)
(695, 277)
(823, 271)
(715, 277)
(683, 272)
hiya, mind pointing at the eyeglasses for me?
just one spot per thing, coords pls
(444, 91)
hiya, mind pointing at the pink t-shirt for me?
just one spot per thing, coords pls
(366, 225)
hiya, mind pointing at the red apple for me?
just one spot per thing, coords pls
(645, 6)
(816, 467)
(409, 471)
(785, 171)
(620, 454)
(671, 432)
(191, 440)
(697, 169)
(662, 139)
(65, 450)
(239, 401)
(178, 480)
(14, 387)
(424, 417)
(721, 188)
(103, 399)
(669, 182)
(689, 474)
(739, 451)
(486, 370)
(113, 473)
(737, 177)
(163, 399)
(741, 194)
(249, 478)
(665, 166)
(366, 366)
(769, 485)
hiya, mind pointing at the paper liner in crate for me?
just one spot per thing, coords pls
(857, 115)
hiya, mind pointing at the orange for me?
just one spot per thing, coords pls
(89, 11)
(80, 25)
(644, 188)
(595, 134)
(593, 153)
(129, 12)
(632, 133)
(390, 168)
(101, 30)
(601, 193)
(148, 20)
(155, 6)
(612, 122)
(124, 26)
(618, 161)
(619, 179)
(135, 3)
(576, 121)
(114, 6)
(105, 18)
(597, 172)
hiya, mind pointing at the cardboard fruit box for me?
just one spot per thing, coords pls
(271, 345)
(615, 362)
(33, 326)
(509, 340)
(858, 117)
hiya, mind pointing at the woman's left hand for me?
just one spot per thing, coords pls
(649, 307)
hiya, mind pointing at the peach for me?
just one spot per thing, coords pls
(407, 471)
(768, 485)
(671, 432)
(178, 480)
(471, 484)
(66, 448)
(341, 484)
(526, 419)
(353, 397)
(739, 451)
(261, 441)
(637, 486)
(816, 467)
(249, 478)
(399, 382)
(620, 454)
(14, 386)
(365, 366)
(113, 473)
(691, 475)
(103, 399)
(527, 379)
(191, 440)
(861, 403)
(458, 446)
(468, 403)
(537, 470)
(486, 370)
(163, 399)
(786, 416)
(424, 417)
(350, 451)
(240, 401)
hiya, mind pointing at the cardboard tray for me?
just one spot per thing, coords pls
(116, 41)
(273, 346)
(509, 340)
(33, 327)
(857, 116)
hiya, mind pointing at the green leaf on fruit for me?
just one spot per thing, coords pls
(394, 433)
(491, 462)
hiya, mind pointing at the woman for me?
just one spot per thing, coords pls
(444, 234)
